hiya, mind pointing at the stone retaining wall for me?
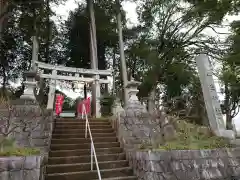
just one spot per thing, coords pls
(20, 168)
(35, 125)
(219, 164)
(136, 127)
(30, 126)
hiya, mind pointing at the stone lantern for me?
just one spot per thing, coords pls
(132, 90)
(117, 108)
(31, 75)
(30, 85)
(133, 101)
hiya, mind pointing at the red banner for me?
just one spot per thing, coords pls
(59, 104)
(87, 103)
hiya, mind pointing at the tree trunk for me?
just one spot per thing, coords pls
(93, 36)
(47, 55)
(3, 15)
(114, 76)
(94, 58)
(227, 108)
(133, 68)
(151, 101)
(121, 46)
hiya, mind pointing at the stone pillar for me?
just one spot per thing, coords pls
(97, 97)
(211, 98)
(52, 88)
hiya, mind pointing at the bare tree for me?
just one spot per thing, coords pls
(18, 123)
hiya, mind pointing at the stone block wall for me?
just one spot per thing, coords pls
(137, 128)
(219, 164)
(134, 130)
(20, 168)
(30, 126)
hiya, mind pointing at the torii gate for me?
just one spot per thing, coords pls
(76, 74)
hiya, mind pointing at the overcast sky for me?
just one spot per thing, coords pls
(130, 8)
(63, 10)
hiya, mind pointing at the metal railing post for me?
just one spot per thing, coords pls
(86, 127)
(91, 156)
(93, 151)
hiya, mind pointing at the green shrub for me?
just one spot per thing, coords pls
(107, 103)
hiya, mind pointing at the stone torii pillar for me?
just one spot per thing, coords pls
(52, 89)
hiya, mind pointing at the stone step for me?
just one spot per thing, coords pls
(83, 140)
(85, 159)
(73, 131)
(76, 122)
(80, 119)
(82, 126)
(81, 135)
(81, 152)
(90, 175)
(65, 168)
(121, 178)
(55, 147)
(235, 142)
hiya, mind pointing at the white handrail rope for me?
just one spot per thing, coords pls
(93, 152)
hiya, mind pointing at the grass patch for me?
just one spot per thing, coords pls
(9, 148)
(193, 142)
(20, 152)
(194, 137)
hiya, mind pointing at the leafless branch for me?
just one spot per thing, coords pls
(17, 120)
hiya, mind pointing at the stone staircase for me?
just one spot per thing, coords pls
(69, 157)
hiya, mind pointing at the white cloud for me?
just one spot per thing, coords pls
(64, 9)
(131, 13)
